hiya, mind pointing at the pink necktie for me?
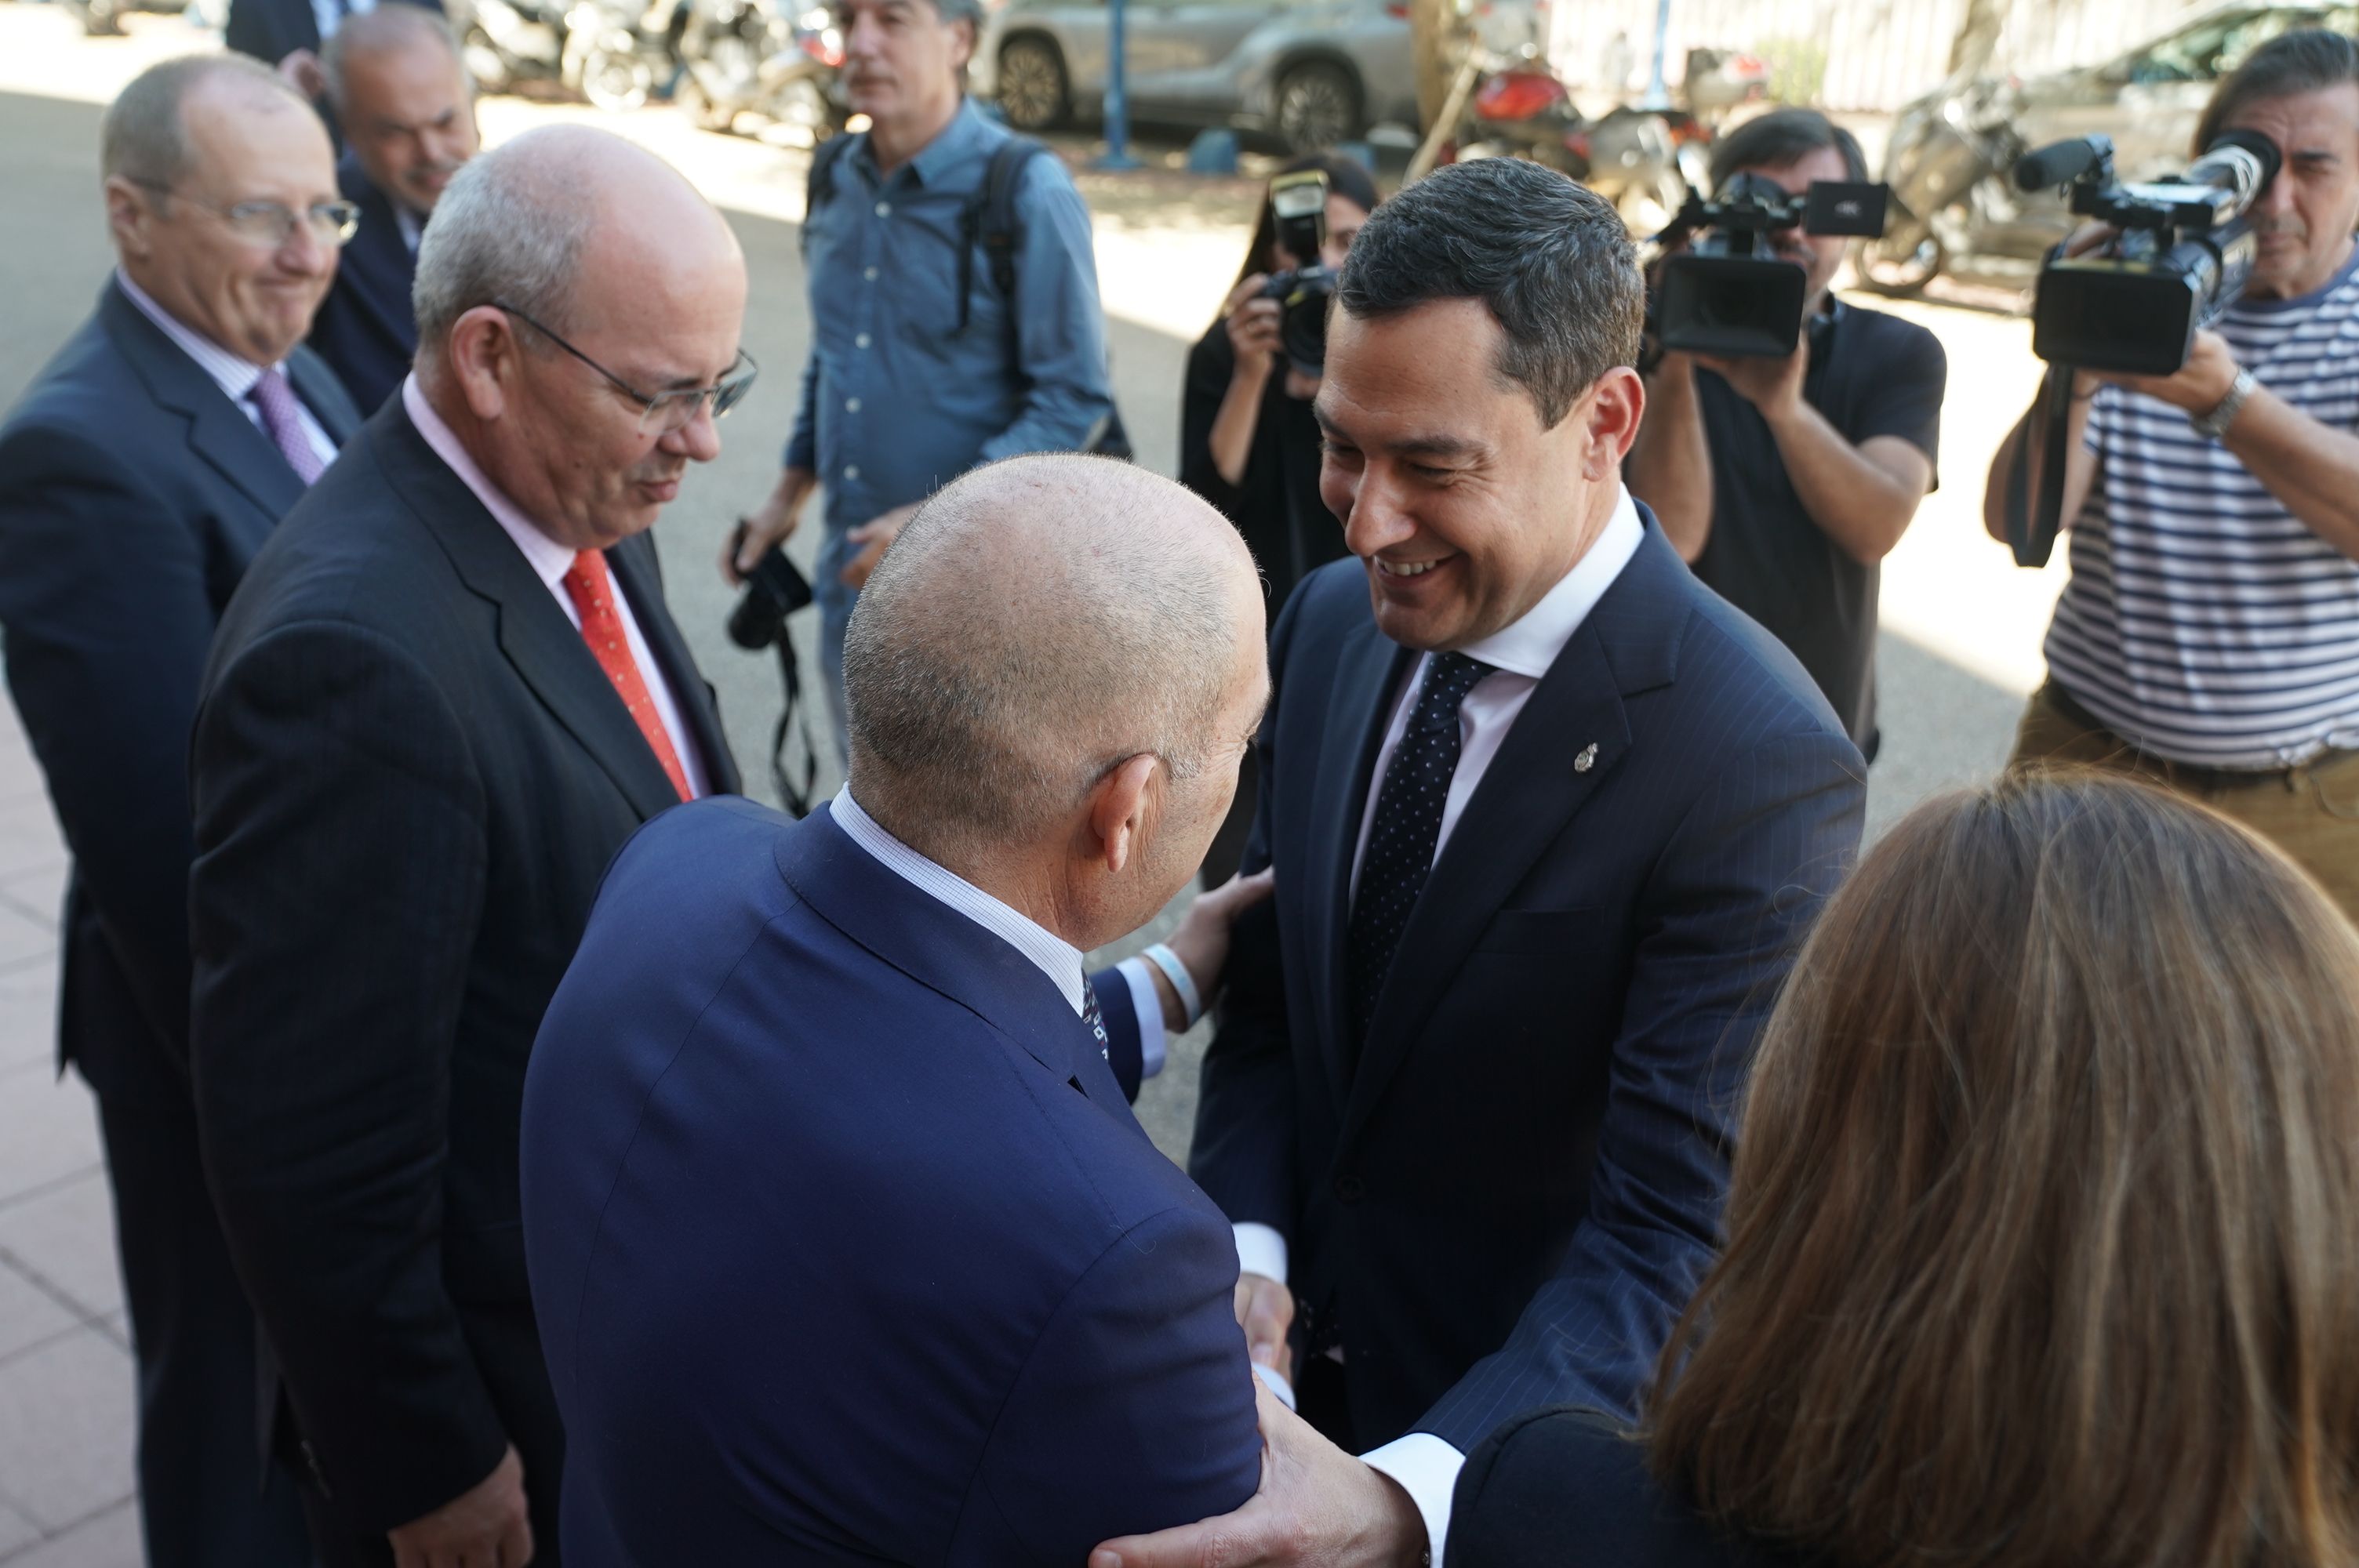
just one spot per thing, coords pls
(282, 419)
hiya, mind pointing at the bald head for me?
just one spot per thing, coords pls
(402, 94)
(563, 223)
(1038, 622)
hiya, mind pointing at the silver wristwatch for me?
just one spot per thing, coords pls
(2216, 423)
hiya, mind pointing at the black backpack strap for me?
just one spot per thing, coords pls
(818, 184)
(992, 224)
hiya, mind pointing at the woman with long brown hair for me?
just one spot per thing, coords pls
(2041, 1239)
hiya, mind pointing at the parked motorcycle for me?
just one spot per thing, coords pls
(743, 57)
(510, 42)
(617, 55)
(1953, 207)
(1631, 157)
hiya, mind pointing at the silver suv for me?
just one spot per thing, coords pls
(1313, 72)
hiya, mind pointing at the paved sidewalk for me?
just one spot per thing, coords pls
(65, 1357)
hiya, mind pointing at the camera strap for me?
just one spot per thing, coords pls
(794, 798)
(2032, 534)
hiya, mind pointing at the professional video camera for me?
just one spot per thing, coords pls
(2180, 255)
(1724, 294)
(1299, 202)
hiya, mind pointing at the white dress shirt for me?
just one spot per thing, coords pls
(1056, 958)
(233, 373)
(550, 561)
(1519, 653)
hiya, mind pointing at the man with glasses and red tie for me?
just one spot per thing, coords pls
(139, 474)
(447, 693)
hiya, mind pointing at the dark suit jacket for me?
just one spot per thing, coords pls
(270, 30)
(133, 494)
(846, 1247)
(1566, 1485)
(410, 774)
(366, 328)
(1509, 1203)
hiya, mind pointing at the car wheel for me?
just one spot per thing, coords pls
(1318, 106)
(1898, 266)
(1033, 92)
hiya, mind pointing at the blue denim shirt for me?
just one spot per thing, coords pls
(896, 401)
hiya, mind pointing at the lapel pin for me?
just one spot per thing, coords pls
(1587, 758)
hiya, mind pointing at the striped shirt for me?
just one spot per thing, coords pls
(2204, 622)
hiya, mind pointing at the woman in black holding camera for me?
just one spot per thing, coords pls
(1247, 442)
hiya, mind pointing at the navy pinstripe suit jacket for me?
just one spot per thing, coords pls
(1511, 1199)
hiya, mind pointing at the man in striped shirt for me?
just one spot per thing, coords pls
(2209, 637)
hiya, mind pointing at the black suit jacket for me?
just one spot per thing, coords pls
(133, 494)
(1510, 1202)
(1565, 1484)
(410, 774)
(366, 328)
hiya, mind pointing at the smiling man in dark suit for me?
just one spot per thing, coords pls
(446, 694)
(401, 92)
(139, 475)
(1548, 819)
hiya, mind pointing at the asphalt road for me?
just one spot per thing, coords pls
(1960, 643)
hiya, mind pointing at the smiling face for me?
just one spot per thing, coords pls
(410, 119)
(1463, 506)
(2305, 217)
(246, 143)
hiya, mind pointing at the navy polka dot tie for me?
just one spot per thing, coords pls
(1095, 1018)
(1406, 828)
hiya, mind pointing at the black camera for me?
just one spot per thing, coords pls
(1304, 293)
(1727, 294)
(774, 591)
(2181, 256)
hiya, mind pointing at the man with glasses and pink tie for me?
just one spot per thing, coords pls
(445, 693)
(139, 474)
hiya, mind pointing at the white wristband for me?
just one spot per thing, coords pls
(1191, 1004)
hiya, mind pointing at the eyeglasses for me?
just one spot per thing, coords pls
(663, 411)
(272, 224)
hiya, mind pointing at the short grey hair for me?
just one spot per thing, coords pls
(1037, 623)
(509, 229)
(143, 136)
(2308, 59)
(1550, 260)
(395, 25)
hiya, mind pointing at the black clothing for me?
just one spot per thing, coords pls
(1565, 1484)
(133, 493)
(366, 328)
(409, 774)
(1870, 374)
(1278, 509)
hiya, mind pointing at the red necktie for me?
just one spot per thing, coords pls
(593, 589)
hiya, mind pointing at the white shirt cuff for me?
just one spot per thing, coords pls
(1427, 1469)
(1149, 1006)
(1261, 1250)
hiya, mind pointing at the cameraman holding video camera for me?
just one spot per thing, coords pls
(1784, 480)
(2209, 636)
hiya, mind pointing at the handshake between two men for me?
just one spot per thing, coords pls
(844, 1242)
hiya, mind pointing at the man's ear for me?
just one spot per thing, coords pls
(128, 212)
(1118, 810)
(1616, 404)
(483, 351)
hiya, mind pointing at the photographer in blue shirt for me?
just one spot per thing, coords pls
(921, 367)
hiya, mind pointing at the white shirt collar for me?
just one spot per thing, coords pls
(1529, 645)
(235, 374)
(1057, 958)
(412, 226)
(549, 559)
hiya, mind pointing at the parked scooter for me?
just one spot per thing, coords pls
(617, 55)
(1631, 157)
(1953, 207)
(510, 42)
(743, 58)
